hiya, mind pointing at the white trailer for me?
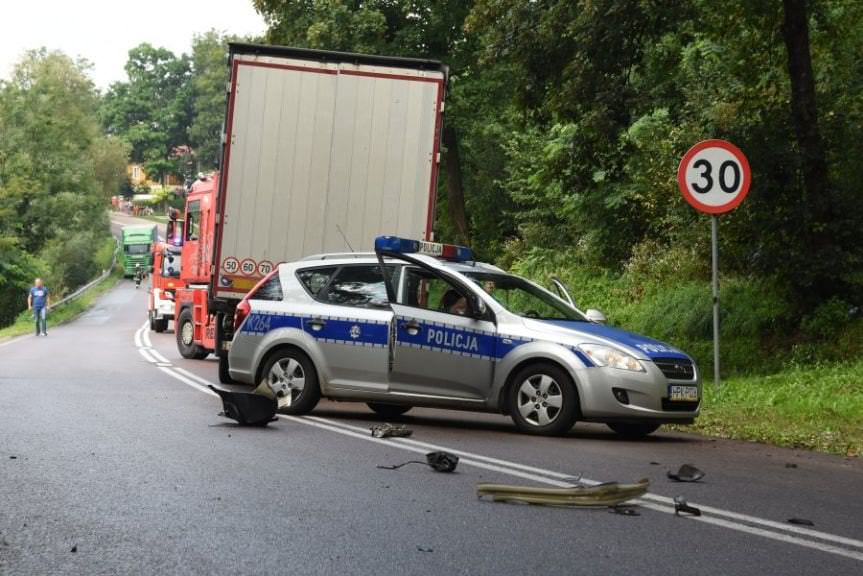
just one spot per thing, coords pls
(323, 152)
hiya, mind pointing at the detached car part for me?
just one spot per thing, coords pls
(608, 494)
(247, 408)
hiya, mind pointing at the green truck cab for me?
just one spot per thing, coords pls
(137, 248)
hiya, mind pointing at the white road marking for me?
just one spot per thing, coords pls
(145, 352)
(663, 500)
(158, 356)
(649, 501)
(145, 336)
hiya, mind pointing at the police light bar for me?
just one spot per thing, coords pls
(396, 245)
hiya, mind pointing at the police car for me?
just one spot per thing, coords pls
(422, 324)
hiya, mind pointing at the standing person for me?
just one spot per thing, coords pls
(38, 301)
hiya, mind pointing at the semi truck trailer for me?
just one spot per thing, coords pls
(322, 152)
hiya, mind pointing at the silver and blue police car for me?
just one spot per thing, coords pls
(422, 324)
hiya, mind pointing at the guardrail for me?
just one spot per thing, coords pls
(98, 280)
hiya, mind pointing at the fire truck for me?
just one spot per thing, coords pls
(322, 152)
(164, 283)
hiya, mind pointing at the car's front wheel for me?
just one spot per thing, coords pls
(388, 410)
(633, 430)
(543, 400)
(291, 376)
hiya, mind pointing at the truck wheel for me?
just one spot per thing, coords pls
(186, 337)
(224, 373)
(160, 325)
(543, 400)
(633, 430)
(152, 320)
(388, 410)
(291, 375)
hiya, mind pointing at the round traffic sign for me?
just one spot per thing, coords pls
(248, 267)
(714, 176)
(230, 265)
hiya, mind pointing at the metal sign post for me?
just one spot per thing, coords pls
(714, 178)
(714, 252)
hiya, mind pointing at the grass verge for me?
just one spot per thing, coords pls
(814, 407)
(24, 324)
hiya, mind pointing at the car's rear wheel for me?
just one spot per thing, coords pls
(185, 330)
(388, 410)
(634, 430)
(293, 379)
(543, 400)
(224, 370)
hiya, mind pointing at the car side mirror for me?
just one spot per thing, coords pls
(479, 307)
(596, 316)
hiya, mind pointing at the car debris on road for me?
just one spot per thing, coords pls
(438, 461)
(607, 494)
(247, 408)
(686, 473)
(682, 507)
(391, 431)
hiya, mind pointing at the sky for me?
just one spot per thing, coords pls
(103, 31)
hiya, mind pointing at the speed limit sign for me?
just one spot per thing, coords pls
(714, 176)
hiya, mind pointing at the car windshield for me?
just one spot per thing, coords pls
(521, 297)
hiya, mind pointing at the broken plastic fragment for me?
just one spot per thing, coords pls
(248, 409)
(681, 507)
(439, 461)
(391, 431)
(686, 473)
(607, 494)
(801, 522)
(442, 461)
(624, 510)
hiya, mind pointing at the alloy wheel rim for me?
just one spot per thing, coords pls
(187, 333)
(540, 400)
(287, 379)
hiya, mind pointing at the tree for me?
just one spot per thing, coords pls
(56, 171)
(152, 111)
(209, 75)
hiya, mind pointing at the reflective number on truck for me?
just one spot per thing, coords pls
(248, 267)
(230, 265)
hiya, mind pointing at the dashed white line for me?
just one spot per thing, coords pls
(728, 519)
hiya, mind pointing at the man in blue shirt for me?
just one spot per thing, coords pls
(38, 301)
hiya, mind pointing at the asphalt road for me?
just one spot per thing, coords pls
(113, 461)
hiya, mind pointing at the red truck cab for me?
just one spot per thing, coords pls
(164, 283)
(194, 325)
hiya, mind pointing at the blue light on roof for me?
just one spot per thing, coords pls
(396, 245)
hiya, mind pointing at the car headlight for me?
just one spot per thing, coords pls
(611, 357)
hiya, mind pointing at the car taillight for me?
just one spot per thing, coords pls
(243, 310)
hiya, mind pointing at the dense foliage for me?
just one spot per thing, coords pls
(57, 171)
(169, 105)
(566, 121)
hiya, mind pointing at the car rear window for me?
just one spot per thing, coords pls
(315, 278)
(361, 286)
(270, 290)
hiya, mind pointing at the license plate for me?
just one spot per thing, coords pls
(683, 393)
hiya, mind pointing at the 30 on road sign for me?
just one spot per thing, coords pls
(714, 176)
